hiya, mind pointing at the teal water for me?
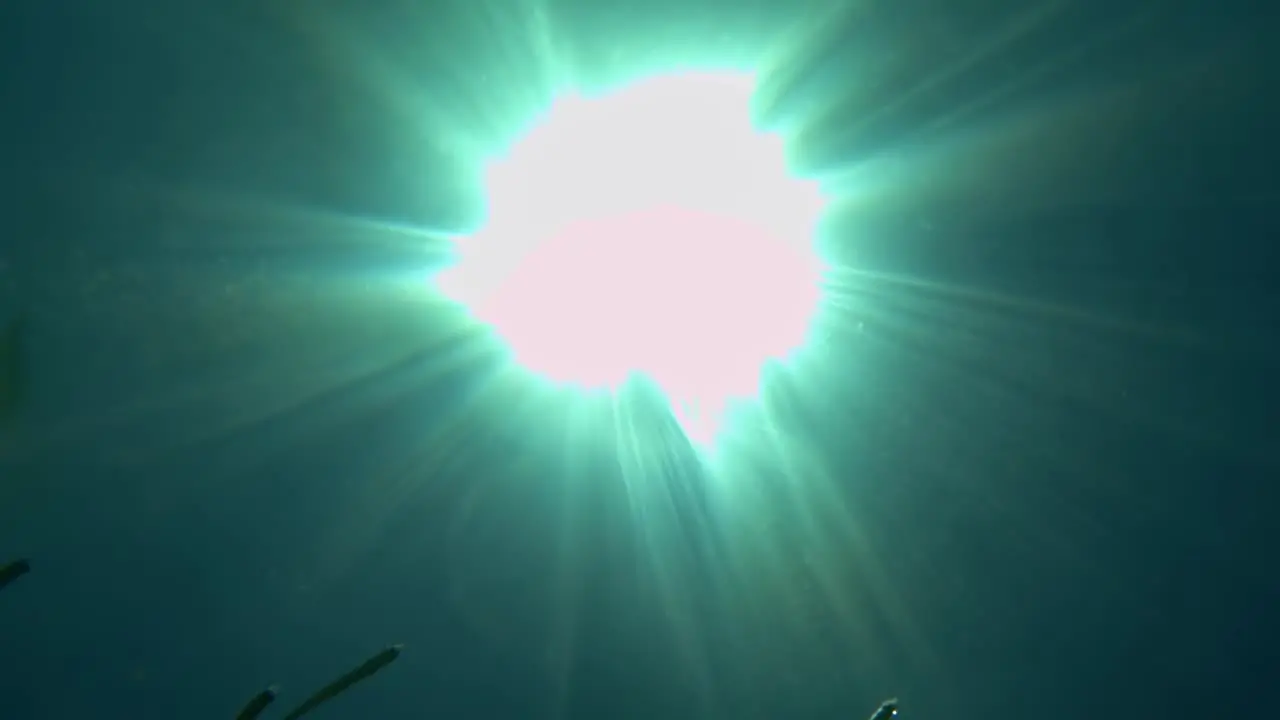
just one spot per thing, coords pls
(241, 445)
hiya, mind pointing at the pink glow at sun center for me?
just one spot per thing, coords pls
(695, 300)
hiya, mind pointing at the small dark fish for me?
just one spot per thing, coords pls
(12, 571)
(259, 703)
(887, 710)
(335, 688)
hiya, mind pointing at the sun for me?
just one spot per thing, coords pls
(652, 231)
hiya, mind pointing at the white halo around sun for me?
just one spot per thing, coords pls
(653, 231)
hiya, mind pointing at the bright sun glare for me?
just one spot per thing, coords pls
(650, 231)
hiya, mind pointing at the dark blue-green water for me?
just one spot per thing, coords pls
(1036, 476)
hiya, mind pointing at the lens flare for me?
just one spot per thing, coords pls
(650, 231)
